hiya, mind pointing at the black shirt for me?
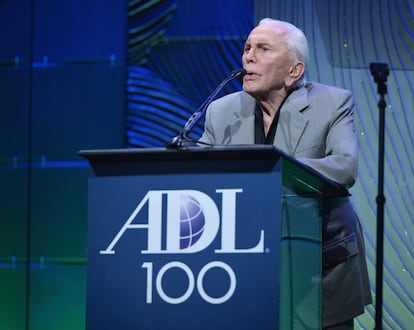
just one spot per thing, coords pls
(259, 135)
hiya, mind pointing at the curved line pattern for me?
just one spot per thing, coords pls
(169, 77)
(385, 45)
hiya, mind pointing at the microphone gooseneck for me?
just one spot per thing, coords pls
(179, 141)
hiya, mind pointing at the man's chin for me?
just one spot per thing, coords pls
(248, 88)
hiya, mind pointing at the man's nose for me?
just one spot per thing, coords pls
(250, 56)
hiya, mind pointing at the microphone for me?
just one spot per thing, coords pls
(179, 140)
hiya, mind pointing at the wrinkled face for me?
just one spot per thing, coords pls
(267, 61)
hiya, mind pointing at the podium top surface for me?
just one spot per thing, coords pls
(157, 154)
(295, 173)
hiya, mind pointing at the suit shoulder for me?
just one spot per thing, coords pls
(317, 88)
(232, 106)
(238, 100)
(239, 96)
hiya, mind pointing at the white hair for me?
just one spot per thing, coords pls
(295, 40)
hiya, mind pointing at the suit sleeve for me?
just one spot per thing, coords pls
(208, 134)
(340, 162)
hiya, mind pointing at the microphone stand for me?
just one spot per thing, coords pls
(181, 139)
(380, 72)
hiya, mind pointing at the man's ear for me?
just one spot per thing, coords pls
(297, 70)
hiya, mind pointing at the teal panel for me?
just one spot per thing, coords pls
(12, 296)
(57, 297)
(58, 214)
(13, 216)
(301, 257)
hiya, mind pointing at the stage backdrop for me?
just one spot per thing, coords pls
(109, 74)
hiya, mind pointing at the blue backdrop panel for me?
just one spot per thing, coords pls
(14, 113)
(80, 30)
(76, 106)
(61, 90)
(15, 32)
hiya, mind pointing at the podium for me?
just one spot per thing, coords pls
(203, 238)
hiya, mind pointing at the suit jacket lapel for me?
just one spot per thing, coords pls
(291, 122)
(290, 127)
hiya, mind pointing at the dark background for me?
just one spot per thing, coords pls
(116, 74)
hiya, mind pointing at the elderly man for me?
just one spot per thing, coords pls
(314, 124)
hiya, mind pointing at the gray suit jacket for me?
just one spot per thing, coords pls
(316, 127)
